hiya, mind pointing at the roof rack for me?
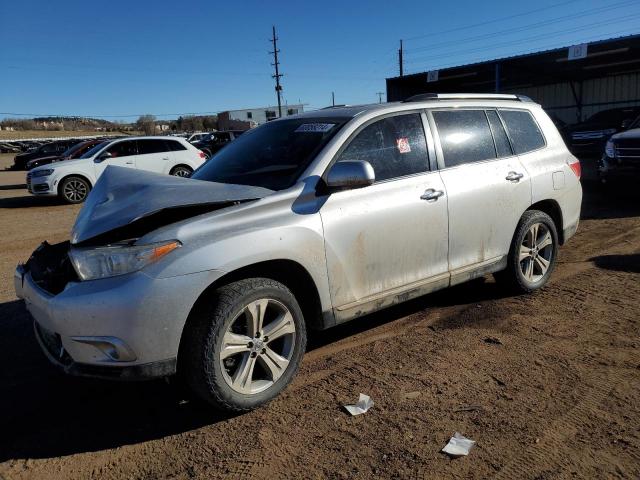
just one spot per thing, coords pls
(467, 96)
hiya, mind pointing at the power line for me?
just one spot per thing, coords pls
(465, 27)
(558, 33)
(573, 16)
(538, 49)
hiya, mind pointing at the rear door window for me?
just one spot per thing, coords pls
(174, 146)
(523, 131)
(151, 146)
(503, 148)
(465, 136)
(394, 146)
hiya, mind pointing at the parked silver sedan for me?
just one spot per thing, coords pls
(305, 222)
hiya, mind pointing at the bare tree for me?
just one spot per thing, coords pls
(147, 123)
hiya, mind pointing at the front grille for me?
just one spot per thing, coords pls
(594, 135)
(627, 153)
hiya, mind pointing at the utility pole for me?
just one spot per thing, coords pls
(277, 75)
(400, 58)
(379, 96)
(333, 99)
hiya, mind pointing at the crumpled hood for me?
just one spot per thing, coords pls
(633, 133)
(123, 196)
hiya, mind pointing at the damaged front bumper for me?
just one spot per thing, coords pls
(125, 327)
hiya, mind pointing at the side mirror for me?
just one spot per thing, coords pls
(626, 123)
(350, 174)
(104, 156)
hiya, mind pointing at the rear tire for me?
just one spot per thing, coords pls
(532, 255)
(74, 189)
(243, 344)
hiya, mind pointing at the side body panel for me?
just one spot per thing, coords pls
(383, 238)
(551, 176)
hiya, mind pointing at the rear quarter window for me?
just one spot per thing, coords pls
(174, 146)
(523, 130)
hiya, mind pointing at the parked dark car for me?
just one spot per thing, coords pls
(621, 155)
(588, 138)
(46, 150)
(216, 140)
(74, 152)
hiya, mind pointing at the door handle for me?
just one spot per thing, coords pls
(514, 176)
(129, 163)
(165, 158)
(431, 195)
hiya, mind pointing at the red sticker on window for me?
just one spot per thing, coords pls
(403, 145)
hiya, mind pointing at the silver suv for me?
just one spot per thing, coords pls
(305, 222)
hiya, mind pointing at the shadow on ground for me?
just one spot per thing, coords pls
(28, 202)
(18, 186)
(619, 198)
(47, 414)
(621, 263)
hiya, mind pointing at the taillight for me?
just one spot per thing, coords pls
(574, 163)
(202, 155)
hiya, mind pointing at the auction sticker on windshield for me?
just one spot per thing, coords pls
(315, 127)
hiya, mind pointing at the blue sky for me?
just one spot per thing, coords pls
(115, 57)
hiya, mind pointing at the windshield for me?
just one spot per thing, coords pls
(91, 152)
(273, 155)
(73, 149)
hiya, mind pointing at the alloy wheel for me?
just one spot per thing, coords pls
(182, 172)
(75, 190)
(257, 346)
(536, 252)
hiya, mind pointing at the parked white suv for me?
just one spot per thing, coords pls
(72, 180)
(304, 222)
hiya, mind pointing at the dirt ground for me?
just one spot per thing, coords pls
(547, 384)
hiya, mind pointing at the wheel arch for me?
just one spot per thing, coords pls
(80, 175)
(552, 208)
(288, 272)
(182, 164)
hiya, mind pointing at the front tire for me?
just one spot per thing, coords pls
(243, 345)
(74, 189)
(181, 171)
(533, 253)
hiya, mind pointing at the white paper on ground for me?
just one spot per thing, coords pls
(364, 404)
(458, 445)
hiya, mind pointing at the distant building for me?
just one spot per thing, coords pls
(251, 117)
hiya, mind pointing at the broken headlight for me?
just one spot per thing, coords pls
(101, 262)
